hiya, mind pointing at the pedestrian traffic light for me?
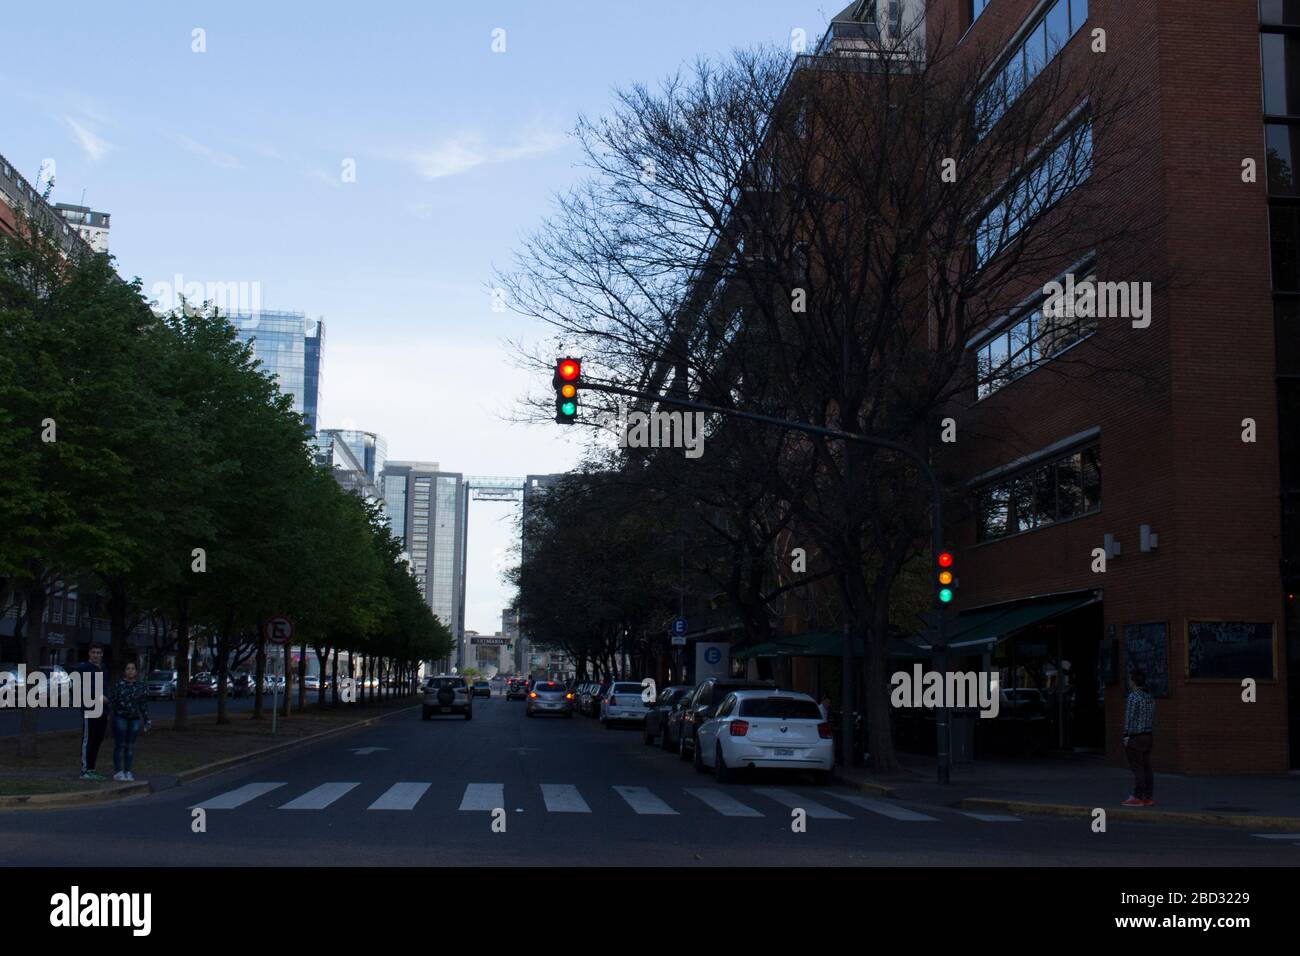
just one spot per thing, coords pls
(568, 376)
(947, 580)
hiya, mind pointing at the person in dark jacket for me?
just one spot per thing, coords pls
(1139, 726)
(92, 728)
(130, 703)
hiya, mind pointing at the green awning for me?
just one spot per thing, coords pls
(974, 629)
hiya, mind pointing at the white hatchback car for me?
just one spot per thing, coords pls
(624, 704)
(779, 729)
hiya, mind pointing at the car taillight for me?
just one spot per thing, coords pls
(568, 697)
(739, 728)
(824, 731)
(532, 693)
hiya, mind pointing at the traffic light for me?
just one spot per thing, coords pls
(568, 376)
(947, 579)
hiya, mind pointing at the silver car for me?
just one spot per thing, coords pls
(161, 685)
(549, 697)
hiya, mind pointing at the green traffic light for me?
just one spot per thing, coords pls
(945, 595)
(568, 408)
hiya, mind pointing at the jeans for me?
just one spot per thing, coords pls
(1138, 751)
(125, 730)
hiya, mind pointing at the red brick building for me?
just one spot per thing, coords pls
(1167, 441)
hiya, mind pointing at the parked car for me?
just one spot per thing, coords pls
(598, 695)
(311, 682)
(8, 673)
(482, 689)
(161, 685)
(447, 694)
(516, 690)
(549, 697)
(704, 704)
(55, 675)
(674, 720)
(242, 684)
(623, 704)
(656, 718)
(203, 685)
(781, 730)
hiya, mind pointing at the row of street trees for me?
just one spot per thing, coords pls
(817, 239)
(147, 458)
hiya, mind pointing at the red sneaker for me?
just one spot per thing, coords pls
(1133, 802)
(1148, 803)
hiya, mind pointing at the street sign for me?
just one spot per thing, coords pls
(679, 627)
(679, 640)
(278, 629)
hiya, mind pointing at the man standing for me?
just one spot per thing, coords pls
(92, 728)
(1139, 722)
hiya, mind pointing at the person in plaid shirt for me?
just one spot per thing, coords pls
(1139, 724)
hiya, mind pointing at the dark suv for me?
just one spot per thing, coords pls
(448, 695)
(517, 689)
(704, 703)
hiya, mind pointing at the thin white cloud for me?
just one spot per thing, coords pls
(465, 151)
(95, 147)
(214, 156)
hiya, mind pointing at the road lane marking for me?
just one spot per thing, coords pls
(883, 807)
(238, 797)
(400, 796)
(641, 800)
(794, 801)
(1275, 836)
(563, 798)
(318, 798)
(724, 803)
(991, 817)
(483, 796)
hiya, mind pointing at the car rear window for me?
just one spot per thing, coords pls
(627, 689)
(451, 682)
(160, 675)
(551, 687)
(782, 708)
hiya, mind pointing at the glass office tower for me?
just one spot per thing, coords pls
(288, 345)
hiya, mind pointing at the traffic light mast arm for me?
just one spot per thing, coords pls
(936, 496)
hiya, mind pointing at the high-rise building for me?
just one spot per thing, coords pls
(90, 225)
(535, 487)
(426, 508)
(288, 345)
(356, 459)
(19, 197)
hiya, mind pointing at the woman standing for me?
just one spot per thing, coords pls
(130, 705)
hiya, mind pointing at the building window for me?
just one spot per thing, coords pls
(1044, 39)
(977, 7)
(1042, 494)
(1283, 146)
(1031, 193)
(1280, 59)
(1279, 12)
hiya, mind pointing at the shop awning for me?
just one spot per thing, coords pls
(975, 629)
(820, 644)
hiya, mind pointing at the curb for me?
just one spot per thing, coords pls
(52, 801)
(879, 789)
(1132, 813)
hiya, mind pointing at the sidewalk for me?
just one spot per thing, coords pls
(1076, 785)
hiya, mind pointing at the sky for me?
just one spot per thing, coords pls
(370, 164)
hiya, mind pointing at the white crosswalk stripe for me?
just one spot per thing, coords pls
(400, 796)
(563, 798)
(724, 803)
(318, 798)
(990, 817)
(884, 808)
(237, 797)
(483, 796)
(792, 800)
(643, 801)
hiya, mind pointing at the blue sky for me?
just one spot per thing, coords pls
(227, 166)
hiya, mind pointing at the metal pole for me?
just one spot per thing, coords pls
(275, 703)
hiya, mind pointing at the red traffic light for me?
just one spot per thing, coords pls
(568, 370)
(945, 559)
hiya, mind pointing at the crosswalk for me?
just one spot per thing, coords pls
(737, 802)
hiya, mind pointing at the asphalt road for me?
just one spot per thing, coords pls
(408, 792)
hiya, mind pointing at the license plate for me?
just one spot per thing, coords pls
(445, 710)
(784, 752)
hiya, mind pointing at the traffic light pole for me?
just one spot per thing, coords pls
(942, 726)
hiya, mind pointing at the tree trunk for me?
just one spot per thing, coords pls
(302, 677)
(259, 675)
(34, 619)
(182, 700)
(335, 680)
(223, 665)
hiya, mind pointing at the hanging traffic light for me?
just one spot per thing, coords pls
(568, 376)
(947, 580)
